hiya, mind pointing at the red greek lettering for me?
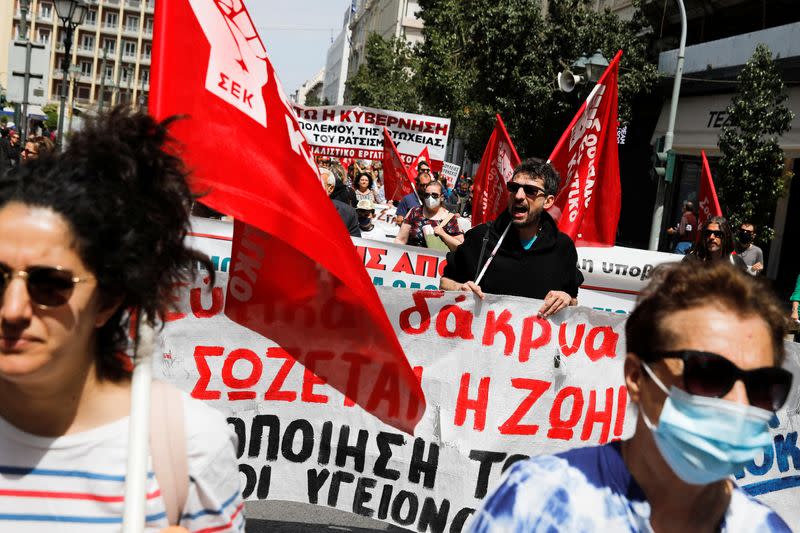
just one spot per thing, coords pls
(200, 390)
(274, 391)
(420, 307)
(570, 348)
(512, 426)
(168, 316)
(527, 341)
(387, 388)
(353, 377)
(403, 264)
(559, 428)
(375, 256)
(608, 343)
(479, 405)
(196, 302)
(462, 322)
(440, 270)
(328, 114)
(310, 378)
(231, 381)
(495, 325)
(622, 404)
(594, 416)
(426, 266)
(413, 402)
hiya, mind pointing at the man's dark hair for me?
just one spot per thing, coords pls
(538, 169)
(747, 223)
(688, 206)
(423, 162)
(686, 285)
(124, 194)
(700, 250)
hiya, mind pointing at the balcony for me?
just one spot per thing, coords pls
(133, 4)
(85, 51)
(130, 31)
(144, 59)
(150, 5)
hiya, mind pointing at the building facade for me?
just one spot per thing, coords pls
(336, 65)
(110, 53)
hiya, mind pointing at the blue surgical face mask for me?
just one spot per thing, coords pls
(705, 439)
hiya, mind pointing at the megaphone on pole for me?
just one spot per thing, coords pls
(567, 80)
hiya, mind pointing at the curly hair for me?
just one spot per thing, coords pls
(539, 169)
(358, 178)
(700, 249)
(685, 285)
(125, 197)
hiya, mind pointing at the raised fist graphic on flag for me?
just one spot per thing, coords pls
(237, 66)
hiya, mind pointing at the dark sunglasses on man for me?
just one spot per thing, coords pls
(48, 286)
(715, 232)
(712, 375)
(531, 191)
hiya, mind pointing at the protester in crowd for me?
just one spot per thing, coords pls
(433, 218)
(9, 150)
(380, 193)
(751, 254)
(686, 230)
(411, 200)
(337, 191)
(533, 258)
(462, 198)
(36, 147)
(366, 220)
(705, 399)
(716, 242)
(89, 238)
(363, 187)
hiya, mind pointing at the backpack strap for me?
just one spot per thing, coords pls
(168, 448)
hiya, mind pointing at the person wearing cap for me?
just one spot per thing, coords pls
(703, 366)
(366, 215)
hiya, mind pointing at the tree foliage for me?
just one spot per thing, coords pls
(51, 112)
(751, 171)
(482, 57)
(386, 79)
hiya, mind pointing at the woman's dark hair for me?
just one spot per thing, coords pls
(700, 249)
(126, 199)
(436, 183)
(358, 178)
(686, 285)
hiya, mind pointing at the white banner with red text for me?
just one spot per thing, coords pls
(357, 132)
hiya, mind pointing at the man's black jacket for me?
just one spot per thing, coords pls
(550, 264)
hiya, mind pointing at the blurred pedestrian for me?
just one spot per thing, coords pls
(36, 147)
(686, 230)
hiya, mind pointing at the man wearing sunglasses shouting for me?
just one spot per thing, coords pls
(705, 348)
(521, 253)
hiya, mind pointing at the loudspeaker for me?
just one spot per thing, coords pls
(567, 80)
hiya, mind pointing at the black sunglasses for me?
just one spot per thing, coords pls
(530, 190)
(434, 195)
(714, 232)
(711, 375)
(47, 286)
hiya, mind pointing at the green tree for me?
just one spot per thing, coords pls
(751, 173)
(484, 57)
(51, 112)
(386, 79)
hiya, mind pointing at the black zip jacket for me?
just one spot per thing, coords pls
(550, 264)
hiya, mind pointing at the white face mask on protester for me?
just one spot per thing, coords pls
(431, 202)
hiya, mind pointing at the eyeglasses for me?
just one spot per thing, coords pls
(424, 171)
(47, 286)
(711, 375)
(714, 232)
(434, 195)
(530, 190)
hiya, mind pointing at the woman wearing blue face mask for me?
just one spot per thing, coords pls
(705, 347)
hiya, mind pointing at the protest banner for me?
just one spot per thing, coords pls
(500, 385)
(357, 132)
(451, 172)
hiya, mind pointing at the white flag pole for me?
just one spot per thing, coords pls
(497, 247)
(133, 518)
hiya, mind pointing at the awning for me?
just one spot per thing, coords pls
(699, 122)
(35, 112)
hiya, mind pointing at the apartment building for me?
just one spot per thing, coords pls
(389, 19)
(121, 31)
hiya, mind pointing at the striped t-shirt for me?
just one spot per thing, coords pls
(76, 483)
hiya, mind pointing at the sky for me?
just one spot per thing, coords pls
(297, 34)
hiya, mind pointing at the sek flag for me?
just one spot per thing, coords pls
(294, 278)
(496, 168)
(707, 204)
(587, 159)
(396, 181)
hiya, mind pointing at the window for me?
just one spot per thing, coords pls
(132, 23)
(83, 92)
(129, 48)
(148, 25)
(87, 41)
(44, 35)
(148, 47)
(86, 68)
(109, 45)
(109, 72)
(111, 19)
(46, 10)
(91, 17)
(144, 75)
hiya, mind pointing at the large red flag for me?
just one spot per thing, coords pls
(396, 180)
(499, 159)
(587, 159)
(708, 204)
(295, 276)
(424, 155)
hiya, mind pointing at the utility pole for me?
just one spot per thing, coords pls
(102, 81)
(23, 32)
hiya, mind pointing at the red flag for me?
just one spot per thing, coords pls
(497, 166)
(346, 162)
(396, 181)
(294, 280)
(708, 204)
(424, 155)
(587, 159)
